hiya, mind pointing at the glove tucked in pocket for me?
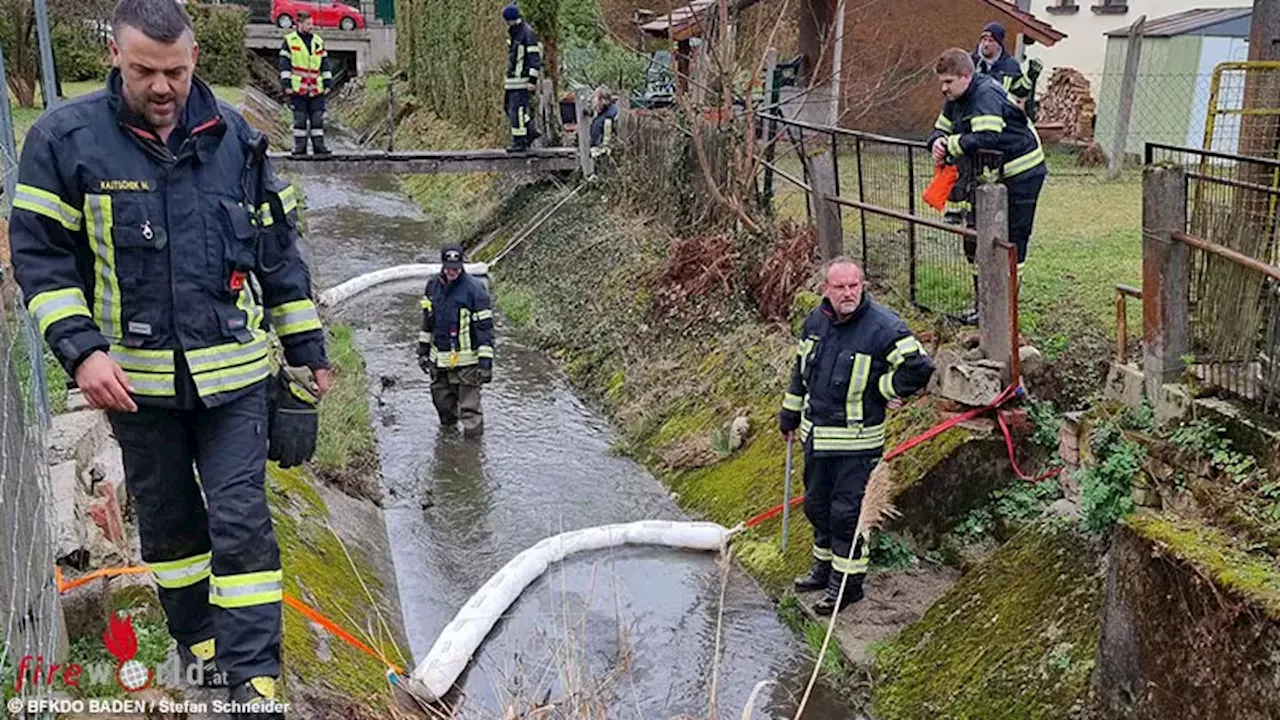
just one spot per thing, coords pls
(293, 422)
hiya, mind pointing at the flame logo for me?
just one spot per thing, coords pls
(122, 643)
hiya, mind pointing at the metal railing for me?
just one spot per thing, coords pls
(1233, 293)
(905, 246)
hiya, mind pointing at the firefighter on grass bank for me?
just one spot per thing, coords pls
(456, 344)
(853, 359)
(142, 214)
(305, 77)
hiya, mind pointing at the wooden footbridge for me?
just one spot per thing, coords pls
(540, 160)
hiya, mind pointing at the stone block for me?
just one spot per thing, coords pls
(1124, 385)
(974, 384)
(1174, 402)
(77, 436)
(68, 537)
(1033, 363)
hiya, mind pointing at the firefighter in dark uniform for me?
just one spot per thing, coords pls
(854, 357)
(524, 64)
(990, 58)
(456, 344)
(143, 218)
(305, 77)
(984, 132)
(603, 127)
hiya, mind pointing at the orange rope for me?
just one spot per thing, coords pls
(290, 600)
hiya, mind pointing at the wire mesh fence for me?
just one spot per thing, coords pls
(1234, 304)
(29, 610)
(923, 265)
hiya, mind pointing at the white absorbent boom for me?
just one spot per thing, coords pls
(453, 650)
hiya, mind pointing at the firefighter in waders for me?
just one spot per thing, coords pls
(305, 77)
(854, 357)
(524, 65)
(456, 344)
(141, 215)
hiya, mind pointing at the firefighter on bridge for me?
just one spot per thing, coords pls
(141, 213)
(305, 77)
(979, 118)
(854, 358)
(455, 346)
(524, 66)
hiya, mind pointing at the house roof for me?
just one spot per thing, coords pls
(685, 22)
(1037, 29)
(1199, 21)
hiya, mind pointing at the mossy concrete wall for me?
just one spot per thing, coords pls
(1014, 639)
(1190, 625)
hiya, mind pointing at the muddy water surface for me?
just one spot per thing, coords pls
(633, 629)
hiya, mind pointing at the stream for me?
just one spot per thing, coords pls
(630, 632)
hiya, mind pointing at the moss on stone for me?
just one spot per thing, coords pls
(1253, 577)
(317, 571)
(1016, 638)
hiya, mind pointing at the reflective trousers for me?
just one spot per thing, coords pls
(217, 564)
(833, 489)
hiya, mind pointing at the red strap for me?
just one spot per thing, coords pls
(927, 435)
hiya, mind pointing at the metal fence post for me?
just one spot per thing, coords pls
(862, 197)
(995, 291)
(911, 227)
(1166, 277)
(8, 146)
(48, 74)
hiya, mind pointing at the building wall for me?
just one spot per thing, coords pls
(1085, 46)
(1166, 91)
(890, 50)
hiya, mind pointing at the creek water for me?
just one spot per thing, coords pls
(631, 632)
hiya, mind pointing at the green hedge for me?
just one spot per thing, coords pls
(78, 55)
(220, 31)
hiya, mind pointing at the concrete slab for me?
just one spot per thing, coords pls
(63, 514)
(77, 436)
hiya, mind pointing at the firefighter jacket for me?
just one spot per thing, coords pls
(457, 323)
(986, 118)
(845, 373)
(524, 57)
(1004, 70)
(126, 244)
(304, 65)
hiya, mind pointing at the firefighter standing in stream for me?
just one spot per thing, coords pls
(854, 358)
(142, 213)
(456, 344)
(524, 65)
(305, 77)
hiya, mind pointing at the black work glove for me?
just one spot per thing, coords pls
(293, 422)
(486, 370)
(424, 362)
(788, 421)
(1035, 67)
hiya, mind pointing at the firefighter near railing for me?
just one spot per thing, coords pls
(924, 264)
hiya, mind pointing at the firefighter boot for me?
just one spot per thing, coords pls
(200, 656)
(852, 593)
(256, 700)
(299, 145)
(817, 577)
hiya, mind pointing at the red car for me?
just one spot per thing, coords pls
(324, 13)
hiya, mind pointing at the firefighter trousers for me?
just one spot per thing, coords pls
(456, 394)
(308, 120)
(217, 565)
(833, 491)
(523, 131)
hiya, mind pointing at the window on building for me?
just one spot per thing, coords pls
(1110, 7)
(1062, 7)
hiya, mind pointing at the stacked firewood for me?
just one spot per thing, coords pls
(1067, 100)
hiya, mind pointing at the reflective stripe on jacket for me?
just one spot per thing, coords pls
(986, 118)
(304, 67)
(845, 373)
(524, 58)
(125, 244)
(457, 323)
